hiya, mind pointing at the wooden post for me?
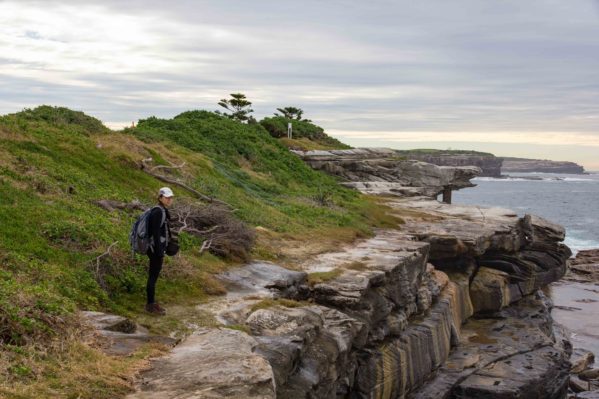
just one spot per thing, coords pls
(447, 195)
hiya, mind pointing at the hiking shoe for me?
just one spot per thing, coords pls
(160, 309)
(156, 309)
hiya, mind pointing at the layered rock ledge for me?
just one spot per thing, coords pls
(489, 164)
(523, 165)
(394, 321)
(447, 306)
(380, 170)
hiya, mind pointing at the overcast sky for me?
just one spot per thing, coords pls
(512, 77)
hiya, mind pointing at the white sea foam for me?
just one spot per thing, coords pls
(578, 244)
(577, 179)
(511, 179)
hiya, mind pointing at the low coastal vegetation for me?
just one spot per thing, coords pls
(63, 249)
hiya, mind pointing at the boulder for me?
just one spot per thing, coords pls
(210, 364)
(581, 360)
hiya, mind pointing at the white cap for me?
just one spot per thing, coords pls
(165, 192)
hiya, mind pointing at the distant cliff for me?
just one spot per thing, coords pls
(489, 163)
(524, 165)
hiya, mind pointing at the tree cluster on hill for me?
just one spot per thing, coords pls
(239, 109)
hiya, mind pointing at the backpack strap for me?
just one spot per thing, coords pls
(163, 214)
(162, 221)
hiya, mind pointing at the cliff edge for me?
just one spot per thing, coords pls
(524, 165)
(447, 306)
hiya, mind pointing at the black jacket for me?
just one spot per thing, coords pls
(159, 234)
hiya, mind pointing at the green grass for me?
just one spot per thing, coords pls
(323, 277)
(302, 131)
(269, 303)
(256, 173)
(56, 163)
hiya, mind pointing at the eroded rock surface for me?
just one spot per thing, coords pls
(209, 364)
(514, 356)
(489, 164)
(121, 335)
(447, 306)
(585, 266)
(379, 170)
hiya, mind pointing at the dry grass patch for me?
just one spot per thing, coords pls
(70, 369)
(179, 321)
(270, 302)
(323, 277)
(304, 144)
(414, 214)
(240, 327)
(291, 250)
(355, 265)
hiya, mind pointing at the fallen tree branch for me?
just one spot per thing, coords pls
(205, 246)
(167, 167)
(199, 232)
(99, 258)
(180, 184)
(111, 205)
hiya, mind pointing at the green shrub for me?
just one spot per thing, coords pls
(63, 116)
(277, 127)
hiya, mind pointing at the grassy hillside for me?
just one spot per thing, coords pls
(55, 164)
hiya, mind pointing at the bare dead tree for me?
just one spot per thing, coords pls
(111, 205)
(222, 233)
(167, 167)
(205, 245)
(96, 265)
(182, 215)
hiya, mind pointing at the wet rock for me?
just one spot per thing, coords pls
(591, 374)
(585, 265)
(562, 341)
(578, 385)
(587, 395)
(216, 363)
(542, 373)
(506, 346)
(581, 360)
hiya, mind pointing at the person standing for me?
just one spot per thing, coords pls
(159, 234)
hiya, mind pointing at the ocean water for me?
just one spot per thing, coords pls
(569, 200)
(573, 202)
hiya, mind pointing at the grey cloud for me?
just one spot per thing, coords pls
(467, 65)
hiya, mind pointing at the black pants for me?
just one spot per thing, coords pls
(155, 268)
